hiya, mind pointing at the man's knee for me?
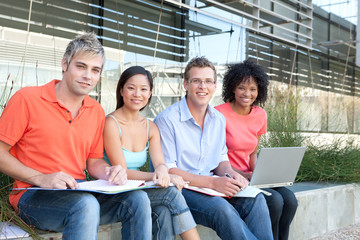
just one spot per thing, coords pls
(225, 212)
(86, 207)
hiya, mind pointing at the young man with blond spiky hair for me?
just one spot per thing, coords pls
(48, 135)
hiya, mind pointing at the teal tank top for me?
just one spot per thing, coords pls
(134, 160)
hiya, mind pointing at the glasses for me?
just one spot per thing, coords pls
(207, 82)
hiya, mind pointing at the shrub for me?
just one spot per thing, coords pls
(7, 214)
(337, 161)
(282, 121)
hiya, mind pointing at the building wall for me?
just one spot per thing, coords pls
(33, 35)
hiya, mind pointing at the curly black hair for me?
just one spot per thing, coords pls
(239, 72)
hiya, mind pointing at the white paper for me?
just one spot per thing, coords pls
(105, 186)
(10, 231)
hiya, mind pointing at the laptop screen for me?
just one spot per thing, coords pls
(277, 167)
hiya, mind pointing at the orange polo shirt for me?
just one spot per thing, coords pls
(44, 136)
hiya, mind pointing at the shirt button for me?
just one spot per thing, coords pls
(69, 121)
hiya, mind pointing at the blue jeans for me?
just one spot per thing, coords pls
(169, 200)
(78, 214)
(161, 215)
(282, 207)
(234, 218)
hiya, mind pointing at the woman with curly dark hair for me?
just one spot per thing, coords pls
(244, 88)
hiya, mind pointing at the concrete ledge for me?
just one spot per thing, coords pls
(322, 209)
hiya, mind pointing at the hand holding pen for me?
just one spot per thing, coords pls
(241, 188)
(263, 191)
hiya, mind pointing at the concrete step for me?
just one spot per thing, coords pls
(326, 209)
(323, 208)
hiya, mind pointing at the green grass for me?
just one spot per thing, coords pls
(7, 214)
(282, 121)
(6, 93)
(337, 161)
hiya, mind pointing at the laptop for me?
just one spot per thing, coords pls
(277, 167)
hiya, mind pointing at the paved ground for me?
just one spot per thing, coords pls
(348, 233)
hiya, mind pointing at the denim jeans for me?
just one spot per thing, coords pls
(161, 215)
(282, 207)
(178, 221)
(78, 214)
(234, 218)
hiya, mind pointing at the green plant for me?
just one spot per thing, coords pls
(337, 161)
(7, 214)
(282, 120)
(334, 162)
(5, 95)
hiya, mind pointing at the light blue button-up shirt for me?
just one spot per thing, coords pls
(188, 147)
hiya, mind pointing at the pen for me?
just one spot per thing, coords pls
(228, 175)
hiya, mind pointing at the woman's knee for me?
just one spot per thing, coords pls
(138, 202)
(291, 203)
(170, 197)
(289, 198)
(275, 202)
(174, 195)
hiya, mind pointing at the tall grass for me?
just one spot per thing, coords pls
(7, 214)
(282, 120)
(5, 95)
(336, 161)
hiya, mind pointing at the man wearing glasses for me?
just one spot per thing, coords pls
(193, 140)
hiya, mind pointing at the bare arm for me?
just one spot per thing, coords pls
(225, 185)
(253, 155)
(252, 163)
(98, 168)
(225, 168)
(161, 171)
(246, 175)
(12, 167)
(113, 149)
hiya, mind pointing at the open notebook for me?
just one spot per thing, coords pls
(103, 186)
(100, 186)
(247, 192)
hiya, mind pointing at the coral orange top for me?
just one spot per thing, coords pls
(242, 133)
